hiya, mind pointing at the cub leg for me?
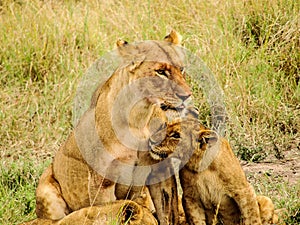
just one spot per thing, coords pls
(193, 207)
(229, 211)
(237, 186)
(164, 195)
(49, 201)
(194, 211)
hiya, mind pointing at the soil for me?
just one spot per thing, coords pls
(287, 169)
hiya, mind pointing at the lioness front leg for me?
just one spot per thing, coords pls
(126, 192)
(49, 201)
(164, 196)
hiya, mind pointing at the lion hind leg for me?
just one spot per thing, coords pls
(49, 201)
(247, 202)
(266, 209)
(268, 214)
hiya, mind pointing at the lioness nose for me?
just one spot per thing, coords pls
(183, 97)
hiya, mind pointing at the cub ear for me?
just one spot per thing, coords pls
(121, 43)
(173, 37)
(207, 138)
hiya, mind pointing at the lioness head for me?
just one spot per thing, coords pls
(181, 139)
(158, 71)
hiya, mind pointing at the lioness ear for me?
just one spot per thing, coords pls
(173, 37)
(129, 54)
(121, 43)
(207, 137)
(124, 49)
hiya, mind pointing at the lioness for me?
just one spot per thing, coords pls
(214, 185)
(99, 161)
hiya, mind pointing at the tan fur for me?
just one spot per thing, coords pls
(173, 37)
(266, 209)
(54, 204)
(212, 178)
(268, 214)
(119, 212)
(72, 182)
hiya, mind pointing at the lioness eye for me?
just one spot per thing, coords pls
(175, 135)
(162, 73)
(182, 70)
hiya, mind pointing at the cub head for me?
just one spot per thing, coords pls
(157, 70)
(182, 139)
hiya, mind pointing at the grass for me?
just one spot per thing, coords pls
(252, 47)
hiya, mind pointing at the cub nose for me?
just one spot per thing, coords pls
(156, 139)
(183, 97)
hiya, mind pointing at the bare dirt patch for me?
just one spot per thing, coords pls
(287, 169)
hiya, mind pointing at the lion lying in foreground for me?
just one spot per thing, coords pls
(119, 212)
(98, 162)
(215, 188)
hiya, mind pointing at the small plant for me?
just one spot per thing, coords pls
(252, 155)
(17, 190)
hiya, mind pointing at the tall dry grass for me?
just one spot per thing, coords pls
(252, 47)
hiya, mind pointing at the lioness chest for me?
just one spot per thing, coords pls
(80, 185)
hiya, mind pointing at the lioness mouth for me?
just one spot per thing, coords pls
(172, 112)
(166, 107)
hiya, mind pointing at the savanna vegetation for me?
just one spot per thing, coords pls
(252, 48)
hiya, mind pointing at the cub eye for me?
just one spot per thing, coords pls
(162, 73)
(175, 135)
(162, 126)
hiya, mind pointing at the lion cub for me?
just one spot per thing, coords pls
(215, 188)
